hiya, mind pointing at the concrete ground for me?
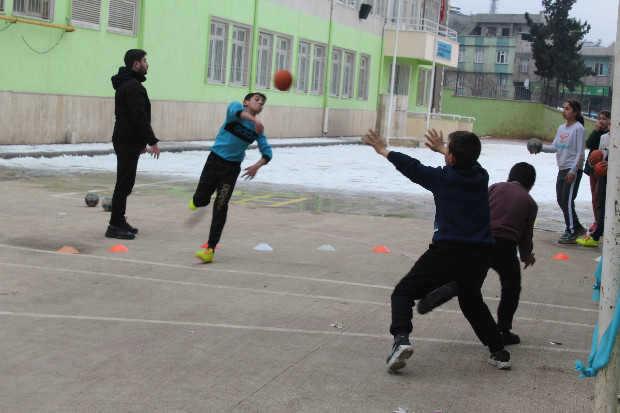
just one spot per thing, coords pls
(293, 329)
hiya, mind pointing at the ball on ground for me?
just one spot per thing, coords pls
(534, 145)
(595, 157)
(600, 169)
(91, 199)
(283, 80)
(107, 204)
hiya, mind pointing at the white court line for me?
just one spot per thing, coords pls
(71, 195)
(273, 329)
(260, 291)
(282, 276)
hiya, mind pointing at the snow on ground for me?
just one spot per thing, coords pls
(352, 169)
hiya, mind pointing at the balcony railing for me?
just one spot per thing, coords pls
(423, 25)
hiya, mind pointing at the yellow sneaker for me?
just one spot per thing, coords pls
(206, 255)
(192, 206)
(587, 242)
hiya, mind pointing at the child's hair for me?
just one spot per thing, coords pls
(524, 173)
(606, 113)
(251, 95)
(576, 106)
(465, 146)
(133, 55)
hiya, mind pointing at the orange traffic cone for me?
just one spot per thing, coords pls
(381, 248)
(119, 248)
(561, 256)
(67, 249)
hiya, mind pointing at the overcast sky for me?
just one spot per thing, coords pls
(601, 14)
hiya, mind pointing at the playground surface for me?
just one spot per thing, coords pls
(301, 326)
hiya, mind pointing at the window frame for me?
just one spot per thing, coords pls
(303, 66)
(283, 57)
(423, 86)
(223, 51)
(524, 65)
(348, 74)
(319, 69)
(244, 67)
(505, 30)
(86, 10)
(38, 15)
(135, 19)
(461, 57)
(1, 6)
(363, 82)
(335, 73)
(398, 84)
(501, 57)
(268, 49)
(597, 68)
(479, 56)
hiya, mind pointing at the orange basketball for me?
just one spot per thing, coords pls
(283, 79)
(600, 169)
(595, 157)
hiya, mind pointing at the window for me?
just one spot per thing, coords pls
(598, 68)
(352, 3)
(86, 13)
(39, 9)
(424, 86)
(479, 57)
(459, 85)
(123, 16)
(283, 53)
(364, 77)
(501, 81)
(239, 63)
(491, 32)
(318, 70)
(1, 5)
(501, 57)
(505, 31)
(461, 54)
(478, 85)
(402, 75)
(348, 77)
(524, 65)
(378, 7)
(216, 67)
(264, 60)
(303, 66)
(334, 84)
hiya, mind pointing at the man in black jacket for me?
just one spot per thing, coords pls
(132, 132)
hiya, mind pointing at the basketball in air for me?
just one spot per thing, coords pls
(534, 145)
(283, 79)
(595, 157)
(107, 204)
(600, 169)
(91, 199)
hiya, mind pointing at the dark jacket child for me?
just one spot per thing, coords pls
(592, 143)
(220, 173)
(462, 243)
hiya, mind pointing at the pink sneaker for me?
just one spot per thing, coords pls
(592, 228)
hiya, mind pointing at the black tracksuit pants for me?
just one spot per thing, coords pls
(126, 167)
(218, 175)
(442, 263)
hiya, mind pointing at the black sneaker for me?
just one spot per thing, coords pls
(581, 231)
(129, 228)
(118, 232)
(501, 359)
(568, 238)
(401, 351)
(436, 298)
(509, 338)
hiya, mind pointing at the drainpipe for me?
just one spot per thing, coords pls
(432, 91)
(327, 59)
(393, 71)
(252, 80)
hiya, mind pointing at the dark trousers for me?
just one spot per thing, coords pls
(218, 175)
(126, 166)
(442, 263)
(507, 265)
(566, 194)
(600, 207)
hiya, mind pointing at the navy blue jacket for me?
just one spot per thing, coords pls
(461, 196)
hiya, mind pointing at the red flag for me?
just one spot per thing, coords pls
(442, 9)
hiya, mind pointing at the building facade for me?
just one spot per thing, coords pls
(204, 54)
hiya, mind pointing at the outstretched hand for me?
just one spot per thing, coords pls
(435, 141)
(529, 261)
(374, 139)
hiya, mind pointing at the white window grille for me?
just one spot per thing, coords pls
(423, 87)
(352, 3)
(402, 76)
(319, 62)
(479, 56)
(264, 60)
(501, 57)
(348, 77)
(461, 54)
(283, 53)
(86, 13)
(364, 77)
(39, 9)
(123, 16)
(240, 61)
(216, 66)
(378, 7)
(336, 73)
(502, 85)
(598, 68)
(303, 66)
(524, 65)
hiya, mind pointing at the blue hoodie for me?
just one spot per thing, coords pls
(461, 196)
